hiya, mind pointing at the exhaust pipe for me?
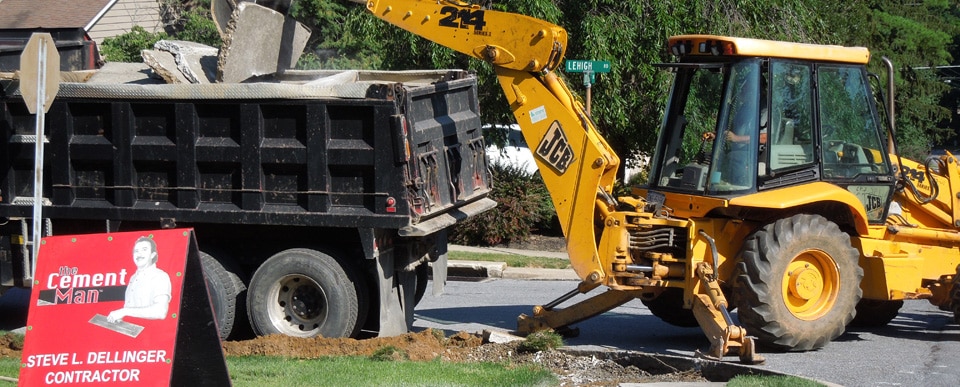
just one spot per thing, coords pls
(890, 106)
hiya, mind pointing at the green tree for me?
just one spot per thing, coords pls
(916, 34)
(628, 102)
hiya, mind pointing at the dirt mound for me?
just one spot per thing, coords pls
(461, 347)
(430, 345)
(10, 345)
(426, 345)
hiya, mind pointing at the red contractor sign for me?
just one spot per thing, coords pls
(105, 308)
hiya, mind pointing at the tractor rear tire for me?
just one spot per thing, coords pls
(668, 306)
(876, 313)
(799, 283)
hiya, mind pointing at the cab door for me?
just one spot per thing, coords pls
(852, 149)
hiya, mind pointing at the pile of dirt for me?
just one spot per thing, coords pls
(572, 370)
(422, 346)
(10, 345)
(428, 345)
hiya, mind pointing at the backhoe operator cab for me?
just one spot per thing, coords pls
(773, 161)
(744, 117)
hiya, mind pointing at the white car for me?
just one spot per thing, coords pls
(514, 153)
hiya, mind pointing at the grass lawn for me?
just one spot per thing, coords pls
(360, 371)
(512, 260)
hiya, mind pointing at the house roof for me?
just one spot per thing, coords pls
(51, 13)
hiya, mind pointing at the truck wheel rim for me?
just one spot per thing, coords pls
(301, 305)
(810, 284)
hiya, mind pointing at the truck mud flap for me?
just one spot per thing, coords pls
(447, 219)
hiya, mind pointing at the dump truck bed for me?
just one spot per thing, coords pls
(308, 148)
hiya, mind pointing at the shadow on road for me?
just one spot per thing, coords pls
(13, 309)
(912, 326)
(627, 331)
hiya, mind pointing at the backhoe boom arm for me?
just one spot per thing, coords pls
(577, 165)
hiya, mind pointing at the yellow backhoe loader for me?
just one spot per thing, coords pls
(775, 187)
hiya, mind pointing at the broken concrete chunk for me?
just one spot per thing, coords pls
(349, 76)
(259, 41)
(282, 6)
(197, 62)
(220, 11)
(163, 64)
(120, 72)
(490, 336)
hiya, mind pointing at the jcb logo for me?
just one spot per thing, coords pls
(554, 148)
(872, 202)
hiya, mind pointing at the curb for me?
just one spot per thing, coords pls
(719, 372)
(488, 269)
(504, 250)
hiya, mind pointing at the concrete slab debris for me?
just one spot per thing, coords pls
(120, 72)
(348, 76)
(163, 65)
(78, 76)
(196, 61)
(220, 11)
(491, 336)
(259, 41)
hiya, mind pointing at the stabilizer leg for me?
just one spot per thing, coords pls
(546, 317)
(711, 313)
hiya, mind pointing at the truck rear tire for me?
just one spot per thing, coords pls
(799, 283)
(305, 293)
(224, 288)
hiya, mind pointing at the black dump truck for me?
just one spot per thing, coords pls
(318, 199)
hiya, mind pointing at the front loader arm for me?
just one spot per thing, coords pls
(577, 165)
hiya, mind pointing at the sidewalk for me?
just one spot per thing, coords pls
(460, 268)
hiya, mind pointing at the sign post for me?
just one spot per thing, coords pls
(589, 68)
(39, 83)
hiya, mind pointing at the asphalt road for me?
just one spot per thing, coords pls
(921, 347)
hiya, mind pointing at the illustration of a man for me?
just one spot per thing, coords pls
(148, 293)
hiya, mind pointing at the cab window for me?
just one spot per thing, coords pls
(791, 116)
(851, 142)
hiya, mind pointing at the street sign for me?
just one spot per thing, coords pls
(589, 68)
(39, 72)
(584, 66)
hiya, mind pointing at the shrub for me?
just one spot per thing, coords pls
(523, 205)
(126, 47)
(199, 27)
